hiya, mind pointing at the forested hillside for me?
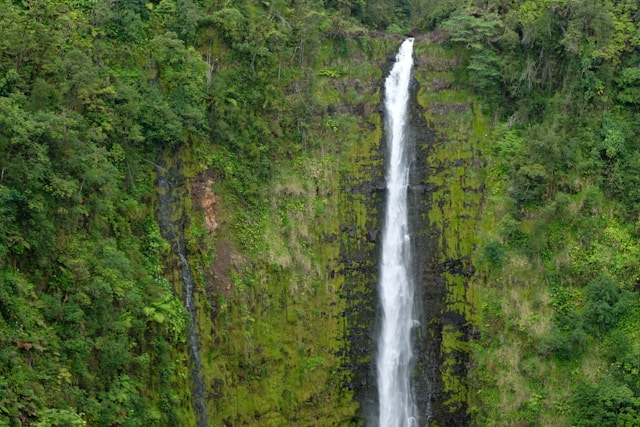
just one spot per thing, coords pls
(559, 341)
(259, 121)
(90, 330)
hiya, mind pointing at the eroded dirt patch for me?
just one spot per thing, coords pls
(227, 259)
(204, 198)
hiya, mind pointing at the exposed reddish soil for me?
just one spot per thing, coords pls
(204, 198)
(227, 258)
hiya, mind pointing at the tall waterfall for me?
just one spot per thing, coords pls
(396, 287)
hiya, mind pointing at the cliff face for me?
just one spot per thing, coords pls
(447, 193)
(288, 297)
(452, 136)
(287, 289)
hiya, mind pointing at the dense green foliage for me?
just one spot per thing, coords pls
(275, 99)
(561, 238)
(90, 331)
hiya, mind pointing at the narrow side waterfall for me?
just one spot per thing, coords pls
(197, 377)
(172, 219)
(396, 287)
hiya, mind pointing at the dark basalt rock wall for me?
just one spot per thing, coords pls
(432, 290)
(360, 252)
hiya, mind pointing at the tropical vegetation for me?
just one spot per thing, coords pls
(277, 101)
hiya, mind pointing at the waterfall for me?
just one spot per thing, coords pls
(396, 287)
(172, 221)
(197, 377)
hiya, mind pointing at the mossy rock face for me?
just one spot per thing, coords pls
(361, 206)
(286, 290)
(448, 197)
(288, 322)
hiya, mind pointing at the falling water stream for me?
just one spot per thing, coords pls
(396, 287)
(172, 222)
(198, 387)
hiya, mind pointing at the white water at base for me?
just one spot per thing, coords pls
(396, 404)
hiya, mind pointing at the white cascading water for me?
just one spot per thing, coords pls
(396, 404)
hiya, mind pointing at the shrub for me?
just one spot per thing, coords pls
(494, 253)
(605, 304)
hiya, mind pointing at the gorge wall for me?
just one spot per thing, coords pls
(288, 318)
(447, 192)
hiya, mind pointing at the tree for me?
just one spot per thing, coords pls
(605, 403)
(480, 35)
(605, 303)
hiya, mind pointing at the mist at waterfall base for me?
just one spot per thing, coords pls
(396, 286)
